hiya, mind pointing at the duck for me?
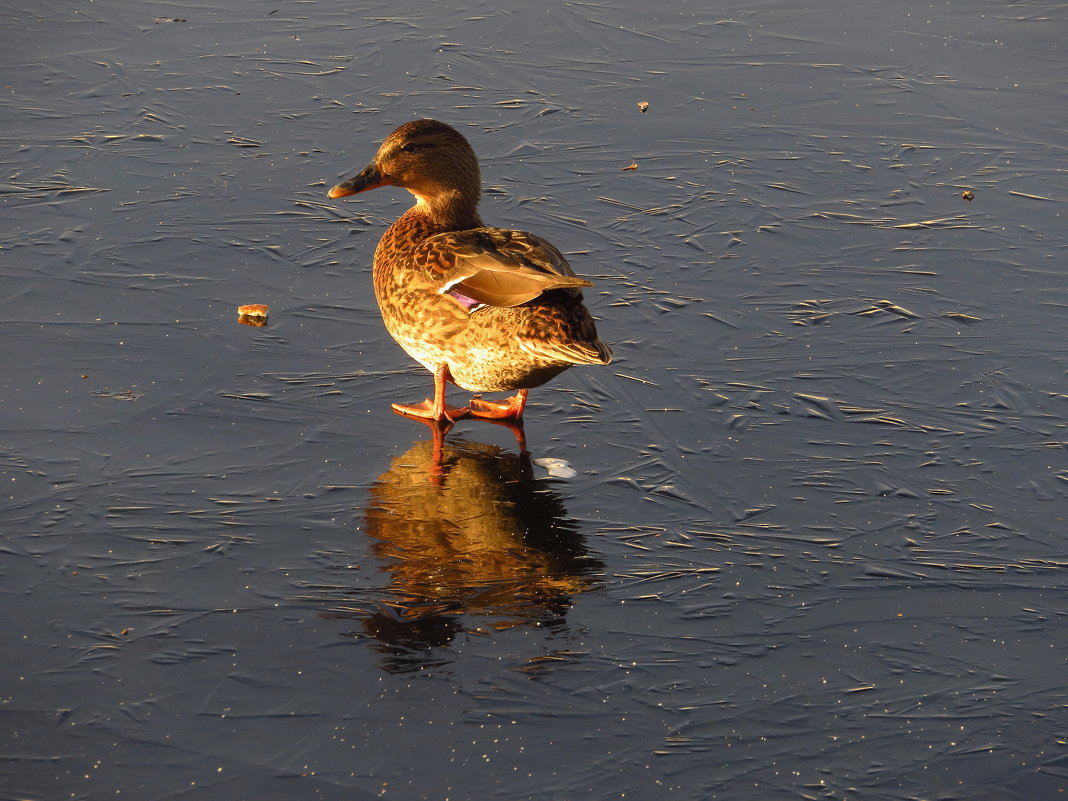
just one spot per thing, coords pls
(485, 309)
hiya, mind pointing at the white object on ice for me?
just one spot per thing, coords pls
(556, 468)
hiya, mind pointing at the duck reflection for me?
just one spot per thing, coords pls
(466, 531)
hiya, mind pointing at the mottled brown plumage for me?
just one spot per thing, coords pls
(484, 308)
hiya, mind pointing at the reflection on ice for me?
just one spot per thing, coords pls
(477, 537)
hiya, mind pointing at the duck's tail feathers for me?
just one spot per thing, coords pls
(596, 352)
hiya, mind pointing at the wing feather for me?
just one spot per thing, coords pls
(498, 267)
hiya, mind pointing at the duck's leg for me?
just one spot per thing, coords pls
(509, 409)
(434, 409)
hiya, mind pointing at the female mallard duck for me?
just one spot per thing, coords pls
(486, 309)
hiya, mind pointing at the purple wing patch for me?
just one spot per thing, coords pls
(468, 303)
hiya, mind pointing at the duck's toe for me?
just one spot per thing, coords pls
(426, 411)
(509, 409)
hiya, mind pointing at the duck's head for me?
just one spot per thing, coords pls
(430, 159)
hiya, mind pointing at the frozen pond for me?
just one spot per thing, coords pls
(815, 546)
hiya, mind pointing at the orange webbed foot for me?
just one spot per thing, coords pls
(509, 409)
(427, 411)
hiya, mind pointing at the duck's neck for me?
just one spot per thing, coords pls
(449, 211)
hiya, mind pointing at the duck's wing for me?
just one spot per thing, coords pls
(497, 267)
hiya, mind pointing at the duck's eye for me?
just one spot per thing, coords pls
(409, 147)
